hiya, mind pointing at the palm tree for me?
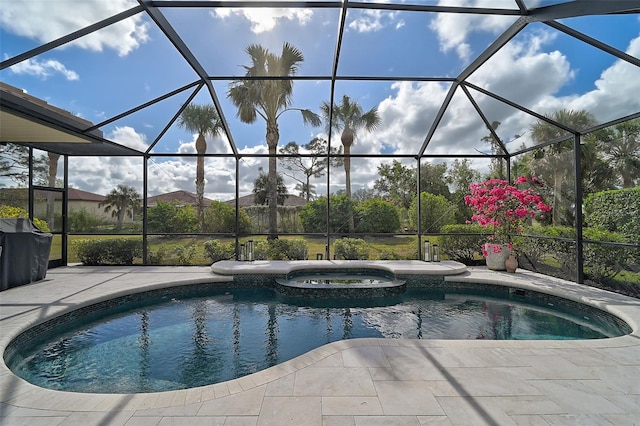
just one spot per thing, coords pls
(204, 120)
(53, 172)
(261, 189)
(621, 146)
(306, 191)
(554, 159)
(348, 118)
(119, 200)
(269, 98)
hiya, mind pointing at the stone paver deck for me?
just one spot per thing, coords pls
(353, 382)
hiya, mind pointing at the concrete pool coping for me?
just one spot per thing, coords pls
(350, 382)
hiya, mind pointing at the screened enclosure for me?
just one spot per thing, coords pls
(183, 132)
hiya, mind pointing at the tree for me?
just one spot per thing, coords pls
(204, 120)
(597, 174)
(313, 166)
(435, 212)
(314, 214)
(496, 169)
(348, 117)
(434, 179)
(269, 98)
(377, 216)
(53, 172)
(361, 194)
(14, 164)
(462, 175)
(621, 147)
(262, 189)
(221, 218)
(306, 190)
(119, 201)
(397, 183)
(170, 218)
(553, 160)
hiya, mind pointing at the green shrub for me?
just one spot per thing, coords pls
(278, 249)
(556, 242)
(462, 248)
(220, 218)
(261, 250)
(601, 261)
(281, 249)
(297, 249)
(108, 252)
(217, 250)
(172, 218)
(314, 214)
(376, 216)
(185, 254)
(83, 221)
(155, 257)
(615, 211)
(10, 212)
(351, 249)
(389, 255)
(435, 212)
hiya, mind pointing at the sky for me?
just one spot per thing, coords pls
(115, 69)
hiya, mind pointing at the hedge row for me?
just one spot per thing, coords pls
(116, 251)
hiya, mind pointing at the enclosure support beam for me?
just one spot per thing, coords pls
(577, 154)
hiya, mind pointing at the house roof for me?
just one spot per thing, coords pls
(80, 195)
(248, 200)
(182, 197)
(73, 194)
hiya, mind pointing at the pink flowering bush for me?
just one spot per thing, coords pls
(504, 207)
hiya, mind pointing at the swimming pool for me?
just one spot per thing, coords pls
(168, 339)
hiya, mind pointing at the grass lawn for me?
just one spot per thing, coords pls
(190, 250)
(402, 247)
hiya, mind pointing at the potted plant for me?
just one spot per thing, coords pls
(504, 208)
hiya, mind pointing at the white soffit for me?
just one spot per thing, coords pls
(16, 129)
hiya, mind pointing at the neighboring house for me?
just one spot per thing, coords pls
(182, 198)
(88, 201)
(78, 200)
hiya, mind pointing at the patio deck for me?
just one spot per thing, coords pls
(352, 382)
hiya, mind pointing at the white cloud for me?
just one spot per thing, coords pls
(216, 145)
(611, 97)
(102, 174)
(524, 71)
(406, 117)
(44, 69)
(128, 136)
(408, 114)
(366, 21)
(264, 19)
(454, 29)
(41, 21)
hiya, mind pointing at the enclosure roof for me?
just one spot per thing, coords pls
(33, 122)
(134, 66)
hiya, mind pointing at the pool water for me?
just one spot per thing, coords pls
(176, 343)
